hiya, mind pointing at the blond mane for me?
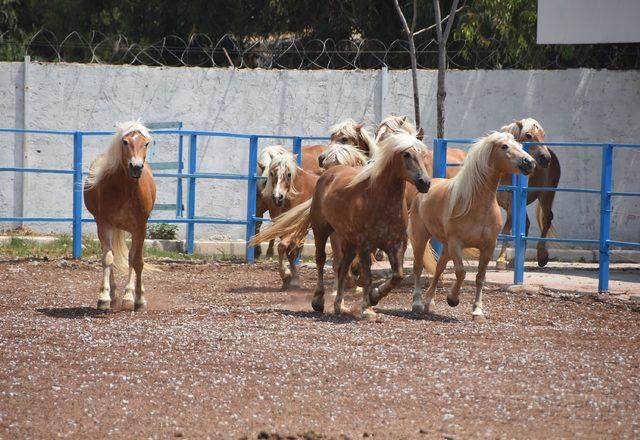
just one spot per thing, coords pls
(344, 154)
(348, 129)
(384, 155)
(392, 124)
(473, 174)
(528, 124)
(283, 165)
(109, 161)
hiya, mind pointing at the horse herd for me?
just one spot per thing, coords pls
(364, 193)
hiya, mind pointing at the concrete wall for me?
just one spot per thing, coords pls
(578, 105)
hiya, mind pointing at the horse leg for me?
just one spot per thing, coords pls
(128, 303)
(293, 252)
(367, 283)
(270, 248)
(546, 203)
(501, 262)
(348, 253)
(455, 251)
(440, 266)
(419, 237)
(137, 244)
(336, 256)
(396, 255)
(285, 273)
(108, 287)
(485, 256)
(320, 239)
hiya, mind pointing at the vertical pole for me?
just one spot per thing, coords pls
(251, 196)
(180, 169)
(191, 201)
(297, 149)
(77, 195)
(519, 213)
(24, 181)
(384, 86)
(439, 171)
(605, 217)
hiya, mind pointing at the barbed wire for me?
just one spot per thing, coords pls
(286, 52)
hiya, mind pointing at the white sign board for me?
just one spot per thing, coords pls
(588, 21)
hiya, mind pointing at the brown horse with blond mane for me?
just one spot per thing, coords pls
(120, 193)
(365, 209)
(462, 212)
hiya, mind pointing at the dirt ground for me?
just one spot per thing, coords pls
(222, 353)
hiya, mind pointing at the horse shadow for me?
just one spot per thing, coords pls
(413, 316)
(73, 312)
(345, 318)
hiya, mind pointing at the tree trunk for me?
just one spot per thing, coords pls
(414, 64)
(442, 92)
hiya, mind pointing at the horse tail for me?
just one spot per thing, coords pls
(429, 258)
(120, 251)
(540, 218)
(471, 253)
(121, 254)
(294, 223)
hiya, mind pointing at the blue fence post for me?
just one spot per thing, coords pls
(180, 169)
(77, 195)
(191, 200)
(519, 219)
(297, 148)
(251, 196)
(439, 171)
(605, 217)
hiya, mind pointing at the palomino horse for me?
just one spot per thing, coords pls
(547, 173)
(287, 186)
(342, 154)
(351, 133)
(463, 213)
(120, 193)
(365, 209)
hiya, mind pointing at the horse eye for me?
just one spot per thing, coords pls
(125, 142)
(406, 154)
(289, 175)
(343, 140)
(505, 147)
(146, 145)
(528, 136)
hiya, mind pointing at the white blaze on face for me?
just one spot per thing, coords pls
(136, 162)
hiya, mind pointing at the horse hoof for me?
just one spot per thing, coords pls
(501, 265)
(543, 260)
(417, 308)
(379, 255)
(479, 318)
(318, 305)
(295, 282)
(286, 282)
(127, 305)
(369, 313)
(104, 305)
(142, 307)
(374, 297)
(453, 302)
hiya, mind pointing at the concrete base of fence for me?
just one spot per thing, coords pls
(236, 248)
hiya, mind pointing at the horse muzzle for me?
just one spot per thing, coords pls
(527, 166)
(422, 184)
(278, 199)
(135, 171)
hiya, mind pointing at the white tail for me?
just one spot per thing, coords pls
(121, 254)
(294, 223)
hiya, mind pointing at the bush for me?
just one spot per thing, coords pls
(162, 231)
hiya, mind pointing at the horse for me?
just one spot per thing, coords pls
(120, 193)
(364, 208)
(547, 173)
(287, 186)
(351, 133)
(462, 212)
(342, 154)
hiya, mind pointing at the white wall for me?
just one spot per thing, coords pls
(579, 105)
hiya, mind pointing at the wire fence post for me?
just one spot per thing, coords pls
(191, 200)
(519, 217)
(297, 149)
(605, 217)
(251, 197)
(440, 172)
(77, 195)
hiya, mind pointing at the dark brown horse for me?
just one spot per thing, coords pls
(120, 193)
(547, 173)
(365, 209)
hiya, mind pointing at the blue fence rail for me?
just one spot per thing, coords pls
(519, 189)
(190, 176)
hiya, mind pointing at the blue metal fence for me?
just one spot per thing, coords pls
(191, 176)
(519, 189)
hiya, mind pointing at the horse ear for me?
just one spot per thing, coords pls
(358, 127)
(380, 132)
(404, 118)
(519, 123)
(420, 134)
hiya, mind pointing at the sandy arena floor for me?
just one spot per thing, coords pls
(222, 353)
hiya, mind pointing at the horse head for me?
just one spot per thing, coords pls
(508, 156)
(134, 152)
(282, 172)
(530, 130)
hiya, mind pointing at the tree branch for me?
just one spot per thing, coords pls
(452, 16)
(405, 25)
(438, 23)
(415, 16)
(428, 28)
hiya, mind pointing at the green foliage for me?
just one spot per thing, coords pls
(162, 231)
